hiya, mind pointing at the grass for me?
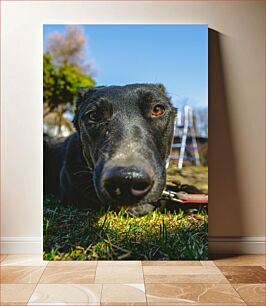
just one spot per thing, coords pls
(77, 234)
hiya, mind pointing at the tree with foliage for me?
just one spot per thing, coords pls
(60, 83)
(62, 76)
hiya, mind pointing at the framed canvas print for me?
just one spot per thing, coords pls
(125, 138)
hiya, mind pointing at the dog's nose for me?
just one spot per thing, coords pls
(127, 185)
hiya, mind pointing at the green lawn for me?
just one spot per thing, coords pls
(78, 234)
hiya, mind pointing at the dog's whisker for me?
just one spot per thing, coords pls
(82, 172)
(89, 168)
(100, 151)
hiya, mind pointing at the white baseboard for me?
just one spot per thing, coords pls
(217, 245)
(21, 245)
(236, 245)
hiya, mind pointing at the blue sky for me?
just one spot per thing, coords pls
(174, 55)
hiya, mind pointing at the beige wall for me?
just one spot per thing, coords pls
(236, 105)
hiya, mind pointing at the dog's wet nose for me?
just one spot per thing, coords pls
(127, 184)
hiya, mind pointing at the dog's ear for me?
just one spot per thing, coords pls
(83, 93)
(161, 88)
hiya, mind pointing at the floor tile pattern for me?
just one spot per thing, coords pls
(119, 272)
(187, 294)
(21, 275)
(66, 293)
(123, 293)
(251, 293)
(227, 281)
(68, 275)
(244, 274)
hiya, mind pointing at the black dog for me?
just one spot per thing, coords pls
(118, 154)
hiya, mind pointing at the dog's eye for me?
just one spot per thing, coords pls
(158, 110)
(94, 116)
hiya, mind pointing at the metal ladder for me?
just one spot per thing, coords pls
(187, 130)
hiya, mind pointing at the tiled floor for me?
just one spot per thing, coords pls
(233, 280)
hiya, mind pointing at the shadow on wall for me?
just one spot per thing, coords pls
(225, 215)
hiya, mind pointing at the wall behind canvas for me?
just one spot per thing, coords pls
(236, 111)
